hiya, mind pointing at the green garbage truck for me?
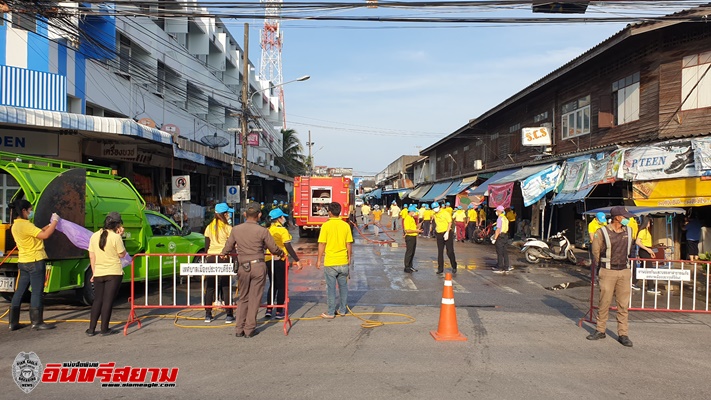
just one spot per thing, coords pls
(85, 194)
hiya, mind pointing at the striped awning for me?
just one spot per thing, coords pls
(79, 122)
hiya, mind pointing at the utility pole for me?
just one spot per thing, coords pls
(311, 160)
(245, 114)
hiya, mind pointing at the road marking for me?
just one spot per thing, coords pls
(496, 283)
(399, 280)
(459, 288)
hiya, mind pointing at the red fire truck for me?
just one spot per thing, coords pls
(313, 193)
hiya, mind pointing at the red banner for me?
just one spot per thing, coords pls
(252, 139)
(500, 195)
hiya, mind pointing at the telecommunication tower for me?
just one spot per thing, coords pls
(271, 42)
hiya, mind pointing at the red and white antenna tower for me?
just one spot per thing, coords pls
(271, 41)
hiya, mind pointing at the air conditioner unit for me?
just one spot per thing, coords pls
(478, 165)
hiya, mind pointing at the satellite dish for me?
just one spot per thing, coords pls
(214, 141)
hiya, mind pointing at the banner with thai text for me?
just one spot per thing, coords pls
(539, 184)
(574, 175)
(702, 153)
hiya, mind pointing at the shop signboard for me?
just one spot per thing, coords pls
(181, 188)
(659, 161)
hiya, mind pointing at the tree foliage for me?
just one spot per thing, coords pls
(292, 162)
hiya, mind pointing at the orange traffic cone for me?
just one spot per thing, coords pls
(447, 329)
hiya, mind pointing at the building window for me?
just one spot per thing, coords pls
(696, 81)
(575, 119)
(24, 21)
(625, 94)
(514, 128)
(540, 117)
(466, 148)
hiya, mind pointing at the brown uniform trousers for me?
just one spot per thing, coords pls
(251, 287)
(615, 282)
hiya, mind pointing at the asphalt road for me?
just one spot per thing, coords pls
(524, 341)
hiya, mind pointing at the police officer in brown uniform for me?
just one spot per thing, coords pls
(250, 240)
(611, 249)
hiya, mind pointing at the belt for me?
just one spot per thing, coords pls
(251, 262)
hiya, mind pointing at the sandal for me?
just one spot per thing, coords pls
(326, 316)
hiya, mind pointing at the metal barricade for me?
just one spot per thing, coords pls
(676, 286)
(179, 295)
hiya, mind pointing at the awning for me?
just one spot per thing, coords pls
(80, 122)
(420, 191)
(641, 211)
(396, 191)
(483, 189)
(375, 194)
(520, 174)
(460, 186)
(438, 191)
(681, 192)
(572, 197)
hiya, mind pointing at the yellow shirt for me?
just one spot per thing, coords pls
(634, 226)
(394, 211)
(472, 214)
(450, 210)
(482, 214)
(502, 224)
(335, 233)
(459, 216)
(30, 248)
(511, 216)
(107, 261)
(410, 225)
(421, 212)
(365, 209)
(404, 213)
(281, 236)
(594, 225)
(428, 215)
(218, 238)
(376, 215)
(645, 237)
(442, 219)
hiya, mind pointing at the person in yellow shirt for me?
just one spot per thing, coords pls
(427, 221)
(377, 215)
(599, 221)
(644, 241)
(460, 223)
(335, 247)
(403, 214)
(445, 238)
(500, 240)
(411, 232)
(216, 234)
(105, 251)
(448, 208)
(365, 214)
(394, 214)
(634, 226)
(31, 263)
(511, 216)
(472, 216)
(481, 217)
(277, 275)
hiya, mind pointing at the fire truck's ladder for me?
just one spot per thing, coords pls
(305, 203)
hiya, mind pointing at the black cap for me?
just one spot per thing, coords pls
(114, 216)
(253, 206)
(621, 210)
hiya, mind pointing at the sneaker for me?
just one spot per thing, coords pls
(655, 292)
(499, 271)
(439, 273)
(229, 319)
(208, 318)
(625, 341)
(635, 287)
(268, 313)
(454, 270)
(597, 335)
(279, 315)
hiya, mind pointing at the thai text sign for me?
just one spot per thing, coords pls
(664, 274)
(538, 136)
(189, 269)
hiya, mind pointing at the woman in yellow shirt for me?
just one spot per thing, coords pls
(644, 241)
(105, 251)
(277, 277)
(216, 234)
(31, 263)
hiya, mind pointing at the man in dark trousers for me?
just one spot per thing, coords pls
(250, 241)
(411, 232)
(611, 249)
(501, 241)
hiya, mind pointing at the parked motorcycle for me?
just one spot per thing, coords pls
(557, 248)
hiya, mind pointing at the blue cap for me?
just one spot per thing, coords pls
(601, 217)
(470, 205)
(394, 202)
(404, 206)
(446, 204)
(262, 203)
(427, 206)
(276, 213)
(223, 208)
(435, 205)
(275, 202)
(512, 207)
(412, 208)
(459, 207)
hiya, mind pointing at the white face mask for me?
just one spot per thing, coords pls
(435, 209)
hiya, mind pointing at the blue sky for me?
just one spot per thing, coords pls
(378, 90)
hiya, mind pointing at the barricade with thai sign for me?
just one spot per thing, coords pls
(667, 286)
(171, 285)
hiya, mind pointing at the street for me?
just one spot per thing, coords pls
(523, 340)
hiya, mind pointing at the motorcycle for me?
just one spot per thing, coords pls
(557, 248)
